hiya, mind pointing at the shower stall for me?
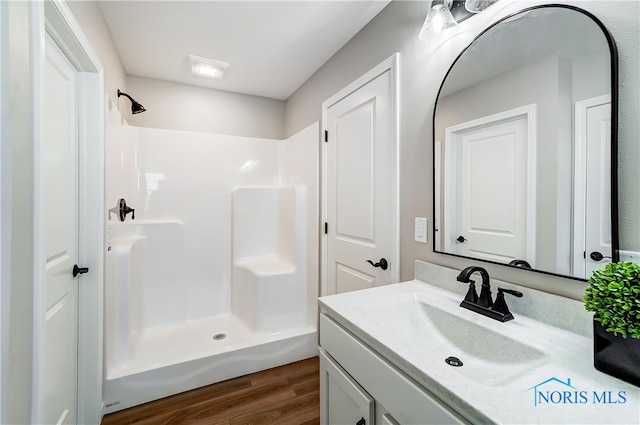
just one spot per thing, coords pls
(217, 275)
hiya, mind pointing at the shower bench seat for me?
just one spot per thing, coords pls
(266, 265)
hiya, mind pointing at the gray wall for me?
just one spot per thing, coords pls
(94, 27)
(180, 107)
(422, 67)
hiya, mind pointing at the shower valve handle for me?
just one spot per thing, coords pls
(124, 209)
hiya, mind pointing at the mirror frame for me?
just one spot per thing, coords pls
(613, 54)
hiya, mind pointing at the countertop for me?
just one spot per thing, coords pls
(576, 392)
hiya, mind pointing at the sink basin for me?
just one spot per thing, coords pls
(476, 340)
(488, 354)
(424, 326)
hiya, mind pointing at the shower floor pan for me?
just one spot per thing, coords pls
(172, 360)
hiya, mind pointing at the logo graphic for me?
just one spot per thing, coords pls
(554, 391)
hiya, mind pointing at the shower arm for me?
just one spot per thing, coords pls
(126, 95)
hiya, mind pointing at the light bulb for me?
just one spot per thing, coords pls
(438, 19)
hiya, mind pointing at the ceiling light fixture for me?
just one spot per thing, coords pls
(209, 68)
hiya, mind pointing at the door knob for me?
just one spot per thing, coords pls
(79, 270)
(461, 239)
(361, 422)
(382, 264)
(597, 256)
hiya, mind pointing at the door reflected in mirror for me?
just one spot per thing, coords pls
(523, 137)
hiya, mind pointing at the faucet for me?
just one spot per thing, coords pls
(485, 293)
(484, 304)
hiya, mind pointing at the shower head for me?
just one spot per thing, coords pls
(136, 108)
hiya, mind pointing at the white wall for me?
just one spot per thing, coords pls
(180, 107)
(169, 175)
(299, 158)
(422, 68)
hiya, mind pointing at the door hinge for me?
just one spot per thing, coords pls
(326, 228)
(326, 136)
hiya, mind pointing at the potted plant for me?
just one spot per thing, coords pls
(614, 295)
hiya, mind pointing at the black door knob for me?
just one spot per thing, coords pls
(461, 239)
(361, 422)
(79, 270)
(382, 264)
(597, 256)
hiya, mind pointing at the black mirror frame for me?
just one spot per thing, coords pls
(613, 52)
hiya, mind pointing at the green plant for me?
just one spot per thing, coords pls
(614, 295)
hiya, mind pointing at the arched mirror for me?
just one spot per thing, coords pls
(525, 134)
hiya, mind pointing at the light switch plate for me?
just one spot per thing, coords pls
(420, 229)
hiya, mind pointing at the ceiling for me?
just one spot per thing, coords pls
(273, 46)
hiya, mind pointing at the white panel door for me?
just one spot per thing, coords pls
(60, 213)
(491, 208)
(598, 194)
(361, 187)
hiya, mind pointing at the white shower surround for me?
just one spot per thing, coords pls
(159, 337)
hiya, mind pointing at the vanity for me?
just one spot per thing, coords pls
(407, 353)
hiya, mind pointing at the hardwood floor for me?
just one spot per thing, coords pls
(287, 395)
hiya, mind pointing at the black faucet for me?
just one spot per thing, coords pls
(484, 304)
(485, 293)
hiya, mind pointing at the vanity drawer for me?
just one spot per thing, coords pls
(405, 401)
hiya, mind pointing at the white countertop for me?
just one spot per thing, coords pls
(373, 316)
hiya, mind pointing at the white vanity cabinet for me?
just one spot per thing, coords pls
(343, 401)
(358, 387)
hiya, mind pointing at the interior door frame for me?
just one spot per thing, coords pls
(55, 18)
(450, 176)
(390, 64)
(580, 180)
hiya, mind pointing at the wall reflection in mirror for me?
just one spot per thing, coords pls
(523, 138)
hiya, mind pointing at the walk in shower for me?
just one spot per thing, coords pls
(217, 275)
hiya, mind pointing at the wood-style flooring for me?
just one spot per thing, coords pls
(283, 395)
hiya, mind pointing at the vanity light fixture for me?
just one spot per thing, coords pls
(445, 14)
(209, 68)
(136, 108)
(439, 18)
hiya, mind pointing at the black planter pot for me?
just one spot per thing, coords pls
(615, 355)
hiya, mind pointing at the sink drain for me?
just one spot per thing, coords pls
(453, 361)
(218, 337)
